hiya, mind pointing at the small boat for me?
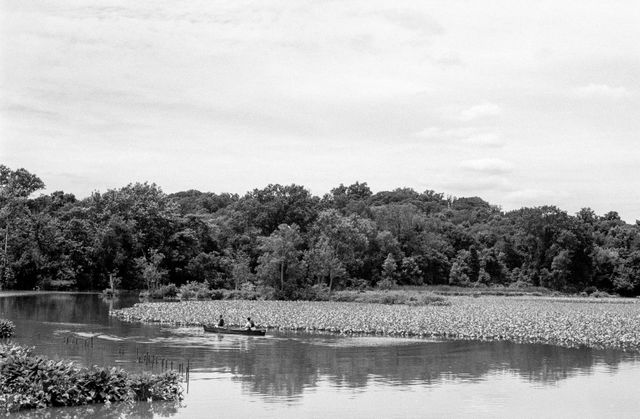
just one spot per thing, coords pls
(215, 329)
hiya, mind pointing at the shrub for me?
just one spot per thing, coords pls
(7, 328)
(319, 292)
(165, 291)
(239, 295)
(249, 291)
(390, 297)
(265, 292)
(601, 294)
(29, 381)
(195, 290)
(357, 284)
(219, 294)
(386, 284)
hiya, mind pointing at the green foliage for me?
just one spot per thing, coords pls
(162, 387)
(195, 291)
(325, 267)
(280, 264)
(241, 271)
(284, 238)
(149, 268)
(31, 381)
(164, 291)
(391, 297)
(7, 328)
(389, 268)
(459, 274)
(211, 267)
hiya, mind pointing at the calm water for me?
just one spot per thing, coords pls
(289, 375)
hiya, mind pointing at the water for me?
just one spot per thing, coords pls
(293, 375)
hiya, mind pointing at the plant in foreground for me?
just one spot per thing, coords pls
(7, 328)
(32, 381)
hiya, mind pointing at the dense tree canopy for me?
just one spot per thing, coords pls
(285, 238)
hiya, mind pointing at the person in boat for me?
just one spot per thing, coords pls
(250, 324)
(220, 322)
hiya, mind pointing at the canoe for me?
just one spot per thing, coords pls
(215, 329)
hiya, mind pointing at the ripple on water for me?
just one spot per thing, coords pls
(366, 341)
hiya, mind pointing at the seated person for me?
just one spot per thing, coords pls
(221, 322)
(250, 324)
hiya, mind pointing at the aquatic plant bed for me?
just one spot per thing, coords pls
(566, 322)
(32, 381)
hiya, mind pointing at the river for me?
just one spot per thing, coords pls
(294, 375)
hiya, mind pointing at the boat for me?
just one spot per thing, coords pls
(249, 332)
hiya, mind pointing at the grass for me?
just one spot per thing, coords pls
(575, 322)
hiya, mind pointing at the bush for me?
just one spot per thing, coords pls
(165, 291)
(601, 294)
(386, 284)
(319, 292)
(7, 328)
(248, 291)
(29, 381)
(357, 284)
(195, 290)
(219, 294)
(390, 297)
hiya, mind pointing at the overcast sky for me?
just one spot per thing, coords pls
(521, 103)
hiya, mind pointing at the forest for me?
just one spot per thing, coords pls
(284, 241)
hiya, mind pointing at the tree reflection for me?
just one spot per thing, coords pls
(283, 368)
(143, 410)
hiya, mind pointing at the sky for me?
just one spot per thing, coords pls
(521, 103)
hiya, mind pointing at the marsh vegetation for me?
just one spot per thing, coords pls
(569, 322)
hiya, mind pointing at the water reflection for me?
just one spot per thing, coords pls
(104, 411)
(281, 366)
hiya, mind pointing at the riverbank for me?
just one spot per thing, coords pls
(595, 323)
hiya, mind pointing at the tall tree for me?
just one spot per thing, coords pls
(274, 205)
(324, 264)
(280, 264)
(15, 188)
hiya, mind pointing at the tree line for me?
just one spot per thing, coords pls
(285, 239)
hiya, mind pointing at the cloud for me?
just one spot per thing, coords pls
(489, 139)
(412, 19)
(476, 185)
(532, 195)
(489, 166)
(601, 91)
(529, 197)
(475, 136)
(482, 110)
(440, 132)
